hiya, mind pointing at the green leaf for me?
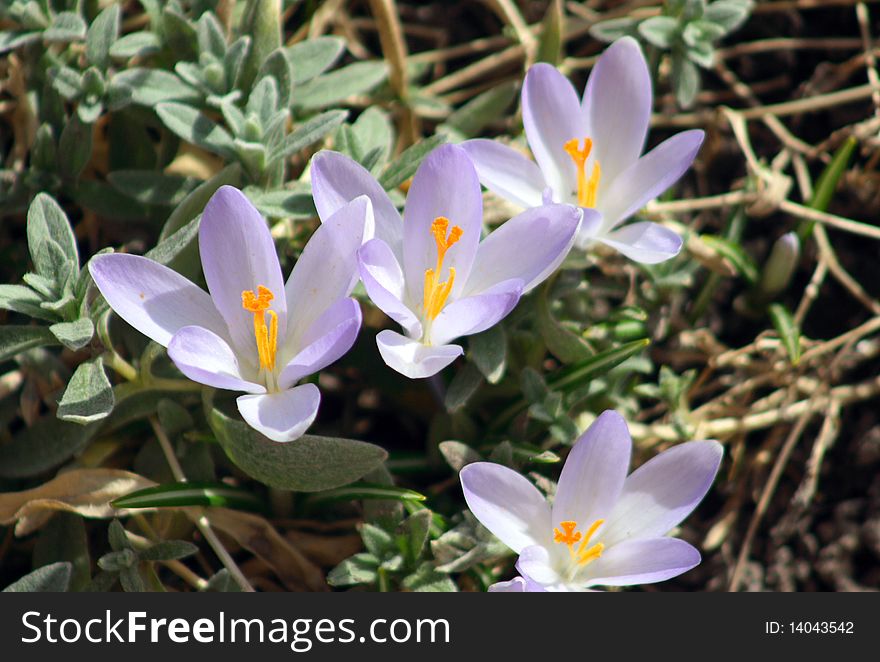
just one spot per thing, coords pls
(827, 184)
(308, 132)
(465, 383)
(488, 351)
(476, 114)
(262, 21)
(131, 581)
(416, 527)
(332, 88)
(66, 26)
(75, 146)
(64, 539)
(135, 44)
(405, 166)
(728, 14)
(178, 495)
(15, 338)
(74, 335)
(278, 67)
(47, 221)
(660, 31)
(154, 86)
(685, 81)
(194, 127)
(373, 131)
(428, 579)
(734, 253)
(53, 578)
(168, 550)
(89, 396)
(377, 540)
(101, 34)
(613, 29)
(211, 35)
(223, 582)
(151, 187)
(458, 455)
(575, 375)
(359, 569)
(365, 492)
(43, 446)
(24, 300)
(117, 537)
(283, 203)
(308, 464)
(314, 56)
(550, 38)
(702, 34)
(562, 343)
(195, 202)
(788, 331)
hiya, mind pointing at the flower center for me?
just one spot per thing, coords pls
(436, 293)
(266, 336)
(587, 188)
(568, 535)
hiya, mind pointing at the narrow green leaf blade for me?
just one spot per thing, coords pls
(180, 495)
(788, 331)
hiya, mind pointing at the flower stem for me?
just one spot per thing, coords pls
(120, 365)
(200, 520)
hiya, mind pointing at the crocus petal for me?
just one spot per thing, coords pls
(337, 179)
(535, 565)
(645, 242)
(413, 359)
(383, 280)
(238, 255)
(642, 561)
(284, 415)
(551, 117)
(154, 299)
(590, 228)
(506, 172)
(618, 101)
(327, 269)
(648, 177)
(446, 185)
(476, 313)
(657, 496)
(330, 337)
(529, 247)
(594, 471)
(507, 504)
(206, 358)
(515, 585)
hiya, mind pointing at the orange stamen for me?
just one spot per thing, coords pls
(568, 535)
(266, 336)
(435, 292)
(587, 189)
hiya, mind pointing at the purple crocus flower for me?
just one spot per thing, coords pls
(604, 527)
(430, 272)
(252, 333)
(588, 153)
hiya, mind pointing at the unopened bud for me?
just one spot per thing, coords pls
(780, 265)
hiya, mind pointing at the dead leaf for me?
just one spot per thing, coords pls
(87, 492)
(326, 551)
(257, 535)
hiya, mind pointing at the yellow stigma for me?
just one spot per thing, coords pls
(436, 293)
(568, 535)
(587, 188)
(266, 337)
